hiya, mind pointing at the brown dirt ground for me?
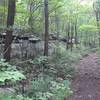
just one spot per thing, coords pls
(86, 83)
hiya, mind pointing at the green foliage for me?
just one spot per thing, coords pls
(41, 84)
(41, 64)
(60, 90)
(47, 88)
(40, 60)
(58, 68)
(4, 96)
(20, 97)
(9, 72)
(88, 28)
(97, 5)
(57, 65)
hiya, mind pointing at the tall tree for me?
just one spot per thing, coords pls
(10, 22)
(46, 28)
(96, 6)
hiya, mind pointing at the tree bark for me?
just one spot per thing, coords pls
(46, 39)
(9, 31)
(97, 14)
(98, 24)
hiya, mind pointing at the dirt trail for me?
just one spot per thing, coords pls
(86, 84)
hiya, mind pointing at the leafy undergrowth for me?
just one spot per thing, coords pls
(9, 73)
(44, 78)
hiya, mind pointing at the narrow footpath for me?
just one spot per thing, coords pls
(86, 83)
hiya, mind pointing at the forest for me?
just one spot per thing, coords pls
(49, 49)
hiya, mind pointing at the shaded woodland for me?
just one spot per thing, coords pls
(40, 42)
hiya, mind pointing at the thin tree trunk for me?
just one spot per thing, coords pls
(72, 30)
(57, 24)
(46, 39)
(76, 35)
(98, 25)
(97, 14)
(68, 36)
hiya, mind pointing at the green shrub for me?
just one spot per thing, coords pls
(9, 72)
(4, 96)
(44, 88)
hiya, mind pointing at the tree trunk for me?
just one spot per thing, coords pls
(46, 39)
(98, 24)
(97, 14)
(72, 34)
(10, 22)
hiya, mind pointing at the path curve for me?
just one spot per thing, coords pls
(86, 84)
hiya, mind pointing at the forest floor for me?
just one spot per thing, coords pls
(86, 83)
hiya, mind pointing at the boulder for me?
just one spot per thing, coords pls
(9, 91)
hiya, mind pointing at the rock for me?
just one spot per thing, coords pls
(9, 91)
